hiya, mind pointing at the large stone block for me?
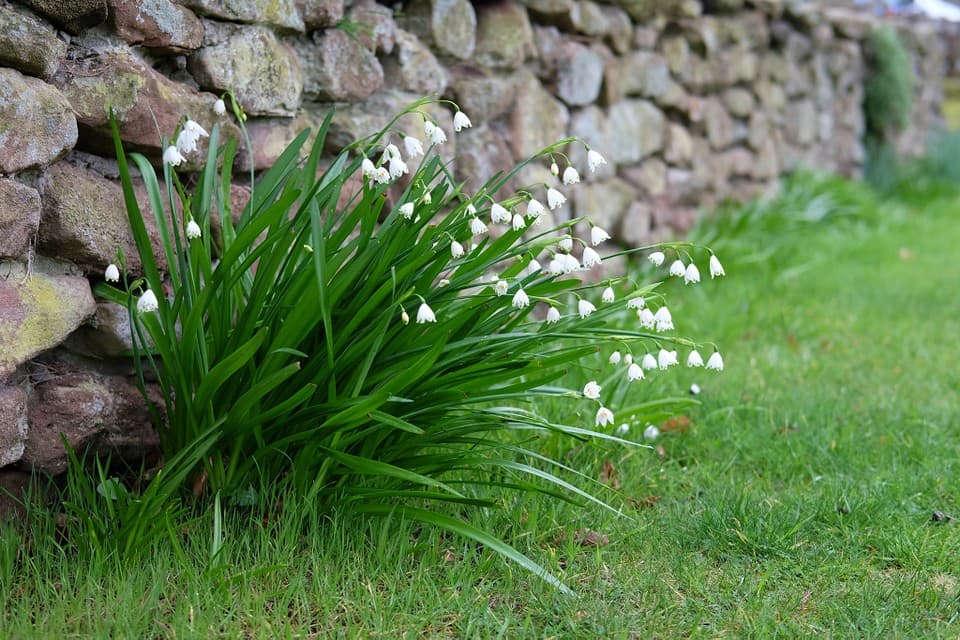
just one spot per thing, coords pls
(318, 14)
(143, 100)
(158, 24)
(276, 13)
(482, 95)
(449, 26)
(377, 30)
(537, 120)
(338, 68)
(71, 15)
(13, 423)
(482, 152)
(504, 35)
(84, 219)
(108, 412)
(720, 126)
(263, 72)
(579, 74)
(19, 218)
(37, 125)
(29, 44)
(636, 131)
(38, 310)
(413, 67)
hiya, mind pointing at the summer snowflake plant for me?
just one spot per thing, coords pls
(281, 337)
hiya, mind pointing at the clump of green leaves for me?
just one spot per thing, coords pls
(889, 90)
(286, 353)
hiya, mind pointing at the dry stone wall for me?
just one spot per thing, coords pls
(691, 102)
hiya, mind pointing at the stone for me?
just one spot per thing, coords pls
(643, 10)
(84, 220)
(338, 68)
(158, 24)
(413, 67)
(482, 95)
(263, 72)
(650, 177)
(740, 162)
(106, 335)
(678, 149)
(504, 35)
(590, 125)
(482, 152)
(619, 33)
(801, 122)
(759, 128)
(602, 203)
(637, 223)
(739, 102)
(269, 137)
(579, 74)
(537, 120)
(37, 125)
(676, 51)
(377, 29)
(319, 14)
(80, 406)
(645, 36)
(636, 131)
(71, 15)
(448, 26)
(38, 310)
(13, 423)
(282, 14)
(550, 44)
(766, 163)
(28, 44)
(143, 99)
(19, 218)
(644, 74)
(590, 19)
(720, 126)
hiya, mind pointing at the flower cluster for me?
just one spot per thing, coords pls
(187, 141)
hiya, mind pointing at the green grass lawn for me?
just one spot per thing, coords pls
(798, 501)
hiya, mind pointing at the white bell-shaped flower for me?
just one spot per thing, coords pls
(628, 359)
(648, 362)
(477, 226)
(381, 175)
(553, 316)
(406, 210)
(598, 235)
(555, 199)
(389, 153)
(677, 268)
(501, 286)
(147, 302)
(398, 167)
(666, 359)
(368, 169)
(220, 107)
(518, 223)
(594, 159)
(694, 359)
(590, 257)
(425, 314)
(570, 264)
(554, 169)
(535, 208)
(565, 244)
(499, 214)
(691, 274)
(570, 176)
(604, 417)
(716, 269)
(647, 321)
(651, 432)
(657, 258)
(615, 358)
(636, 303)
(533, 267)
(173, 157)
(664, 319)
(456, 249)
(520, 299)
(413, 146)
(591, 390)
(461, 121)
(585, 308)
(715, 362)
(193, 230)
(112, 273)
(608, 295)
(634, 373)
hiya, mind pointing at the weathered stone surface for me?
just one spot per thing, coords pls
(644, 74)
(276, 13)
(538, 119)
(739, 161)
(619, 33)
(318, 14)
(481, 94)
(106, 335)
(263, 72)
(590, 125)
(603, 203)
(377, 28)
(338, 68)
(13, 423)
(37, 125)
(579, 74)
(739, 102)
(636, 226)
(82, 406)
(413, 67)
(679, 145)
(449, 26)
(19, 218)
(801, 122)
(29, 44)
(160, 24)
(38, 312)
(720, 126)
(270, 136)
(650, 177)
(636, 131)
(84, 220)
(504, 35)
(71, 15)
(481, 152)
(143, 100)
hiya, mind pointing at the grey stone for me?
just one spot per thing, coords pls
(269, 137)
(579, 75)
(650, 177)
(38, 310)
(720, 126)
(481, 94)
(413, 67)
(679, 145)
(504, 35)
(263, 72)
(29, 44)
(537, 120)
(801, 122)
(377, 30)
(19, 218)
(84, 220)
(644, 74)
(481, 153)
(143, 100)
(448, 25)
(13, 423)
(319, 14)
(636, 226)
(160, 24)
(740, 162)
(276, 13)
(619, 29)
(37, 125)
(739, 102)
(590, 125)
(71, 15)
(339, 68)
(602, 203)
(636, 128)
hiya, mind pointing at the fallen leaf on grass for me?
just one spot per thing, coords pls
(679, 424)
(644, 503)
(609, 475)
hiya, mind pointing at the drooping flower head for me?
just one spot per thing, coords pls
(413, 146)
(520, 299)
(499, 214)
(425, 314)
(598, 235)
(649, 362)
(173, 157)
(657, 258)
(594, 160)
(691, 274)
(553, 316)
(500, 287)
(666, 359)
(716, 269)
(406, 210)
(434, 133)
(220, 107)
(570, 176)
(608, 295)
(677, 268)
(555, 199)
(604, 417)
(456, 249)
(518, 223)
(477, 226)
(590, 257)
(368, 169)
(193, 230)
(461, 121)
(647, 321)
(535, 208)
(147, 302)
(112, 273)
(585, 308)
(715, 362)
(651, 432)
(614, 358)
(634, 373)
(636, 303)
(664, 319)
(694, 359)
(592, 390)
(398, 167)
